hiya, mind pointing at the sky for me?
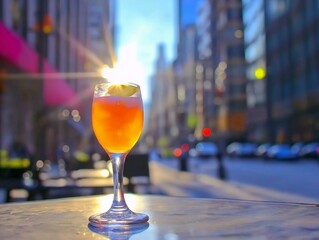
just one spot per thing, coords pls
(141, 26)
(189, 11)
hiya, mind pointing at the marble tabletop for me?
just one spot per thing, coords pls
(171, 218)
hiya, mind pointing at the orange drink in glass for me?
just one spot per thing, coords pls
(117, 119)
(117, 122)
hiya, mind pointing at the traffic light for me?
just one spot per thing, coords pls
(206, 132)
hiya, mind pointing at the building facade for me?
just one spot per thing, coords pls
(229, 78)
(255, 54)
(162, 124)
(292, 34)
(188, 90)
(209, 71)
(50, 55)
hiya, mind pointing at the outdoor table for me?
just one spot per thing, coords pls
(170, 218)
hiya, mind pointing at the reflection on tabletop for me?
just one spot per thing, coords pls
(119, 232)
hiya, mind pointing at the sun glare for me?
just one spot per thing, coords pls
(127, 69)
(110, 74)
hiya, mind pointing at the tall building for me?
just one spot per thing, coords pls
(162, 128)
(255, 54)
(184, 80)
(205, 110)
(282, 70)
(210, 70)
(292, 36)
(229, 78)
(50, 55)
(188, 114)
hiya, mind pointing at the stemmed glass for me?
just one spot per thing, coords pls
(117, 119)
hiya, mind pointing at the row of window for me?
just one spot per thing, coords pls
(298, 55)
(235, 51)
(283, 87)
(251, 9)
(256, 49)
(254, 28)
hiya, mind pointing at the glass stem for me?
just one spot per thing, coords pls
(118, 161)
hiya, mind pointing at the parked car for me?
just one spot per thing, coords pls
(309, 150)
(206, 149)
(296, 148)
(281, 152)
(241, 149)
(261, 150)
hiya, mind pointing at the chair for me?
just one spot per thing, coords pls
(136, 169)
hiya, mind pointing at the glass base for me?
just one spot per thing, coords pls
(119, 232)
(118, 218)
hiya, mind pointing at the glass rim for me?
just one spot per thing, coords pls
(101, 89)
(110, 83)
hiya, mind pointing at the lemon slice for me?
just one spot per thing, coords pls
(122, 90)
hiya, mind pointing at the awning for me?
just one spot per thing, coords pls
(15, 51)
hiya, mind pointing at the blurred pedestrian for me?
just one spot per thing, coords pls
(183, 161)
(221, 172)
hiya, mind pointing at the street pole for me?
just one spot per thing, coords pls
(40, 135)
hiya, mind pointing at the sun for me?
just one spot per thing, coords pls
(128, 68)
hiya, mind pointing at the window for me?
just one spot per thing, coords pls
(276, 8)
(234, 14)
(238, 106)
(236, 71)
(95, 23)
(287, 89)
(251, 10)
(300, 85)
(285, 59)
(275, 90)
(297, 23)
(16, 14)
(310, 12)
(314, 78)
(1, 10)
(237, 89)
(254, 29)
(235, 51)
(298, 52)
(256, 49)
(310, 45)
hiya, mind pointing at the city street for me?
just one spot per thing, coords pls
(298, 177)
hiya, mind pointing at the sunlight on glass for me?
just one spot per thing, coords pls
(131, 201)
(109, 166)
(104, 203)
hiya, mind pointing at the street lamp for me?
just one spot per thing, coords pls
(43, 27)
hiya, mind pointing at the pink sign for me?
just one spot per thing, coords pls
(16, 52)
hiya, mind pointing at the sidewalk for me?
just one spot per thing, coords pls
(172, 182)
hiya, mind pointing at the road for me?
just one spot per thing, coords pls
(299, 177)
